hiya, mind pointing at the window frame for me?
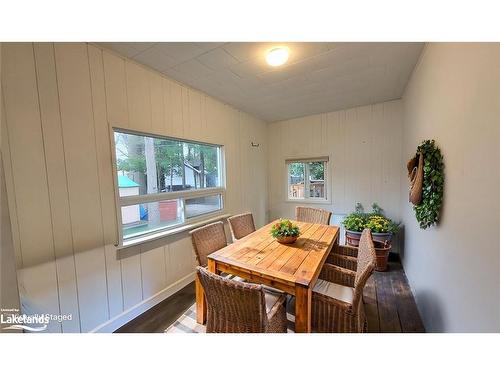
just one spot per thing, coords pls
(162, 196)
(327, 198)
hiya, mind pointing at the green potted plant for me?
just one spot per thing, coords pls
(354, 223)
(285, 231)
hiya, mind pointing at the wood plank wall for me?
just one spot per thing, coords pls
(59, 103)
(364, 146)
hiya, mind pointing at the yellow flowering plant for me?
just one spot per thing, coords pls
(375, 220)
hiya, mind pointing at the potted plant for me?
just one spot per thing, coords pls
(354, 223)
(382, 227)
(285, 231)
(382, 250)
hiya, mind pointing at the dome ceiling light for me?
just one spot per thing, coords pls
(277, 56)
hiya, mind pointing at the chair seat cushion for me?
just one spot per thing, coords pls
(271, 298)
(231, 277)
(335, 291)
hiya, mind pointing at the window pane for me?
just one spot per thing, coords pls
(316, 179)
(202, 205)
(296, 180)
(131, 164)
(139, 219)
(148, 165)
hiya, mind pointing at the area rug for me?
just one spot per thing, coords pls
(187, 321)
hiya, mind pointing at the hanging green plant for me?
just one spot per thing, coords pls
(428, 210)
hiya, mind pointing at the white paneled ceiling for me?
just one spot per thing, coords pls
(318, 77)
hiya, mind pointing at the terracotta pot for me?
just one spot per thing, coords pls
(382, 250)
(352, 237)
(288, 239)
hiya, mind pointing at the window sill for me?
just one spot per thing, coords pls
(309, 201)
(170, 232)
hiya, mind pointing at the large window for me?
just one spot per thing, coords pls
(307, 179)
(165, 182)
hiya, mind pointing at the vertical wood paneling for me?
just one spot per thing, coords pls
(38, 292)
(181, 258)
(27, 153)
(231, 128)
(67, 109)
(58, 192)
(114, 280)
(169, 274)
(106, 183)
(9, 184)
(336, 131)
(83, 181)
(157, 103)
(364, 148)
(103, 146)
(139, 97)
(167, 107)
(185, 112)
(153, 271)
(116, 90)
(194, 102)
(131, 281)
(176, 107)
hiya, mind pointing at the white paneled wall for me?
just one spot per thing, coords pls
(60, 101)
(364, 147)
(454, 97)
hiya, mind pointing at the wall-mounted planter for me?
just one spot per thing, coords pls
(426, 177)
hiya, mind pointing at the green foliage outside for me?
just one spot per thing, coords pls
(316, 170)
(428, 211)
(170, 156)
(285, 228)
(374, 220)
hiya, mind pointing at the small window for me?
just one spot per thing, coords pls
(307, 179)
(165, 182)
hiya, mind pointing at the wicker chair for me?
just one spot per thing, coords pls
(337, 301)
(343, 256)
(207, 239)
(312, 215)
(235, 306)
(241, 225)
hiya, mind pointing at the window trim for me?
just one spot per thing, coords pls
(328, 191)
(157, 197)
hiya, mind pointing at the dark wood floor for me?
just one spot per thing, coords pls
(389, 302)
(389, 306)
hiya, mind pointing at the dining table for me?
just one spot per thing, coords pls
(292, 268)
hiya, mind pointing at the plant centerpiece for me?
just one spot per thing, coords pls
(285, 231)
(382, 227)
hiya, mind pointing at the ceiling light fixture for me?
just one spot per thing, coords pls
(277, 56)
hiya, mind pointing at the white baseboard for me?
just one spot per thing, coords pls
(126, 316)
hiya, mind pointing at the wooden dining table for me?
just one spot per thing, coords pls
(292, 268)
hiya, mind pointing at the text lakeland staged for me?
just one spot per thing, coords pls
(22, 321)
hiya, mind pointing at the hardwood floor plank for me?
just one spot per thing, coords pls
(409, 317)
(160, 317)
(371, 307)
(389, 306)
(387, 309)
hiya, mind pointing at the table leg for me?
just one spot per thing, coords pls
(201, 304)
(303, 302)
(212, 266)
